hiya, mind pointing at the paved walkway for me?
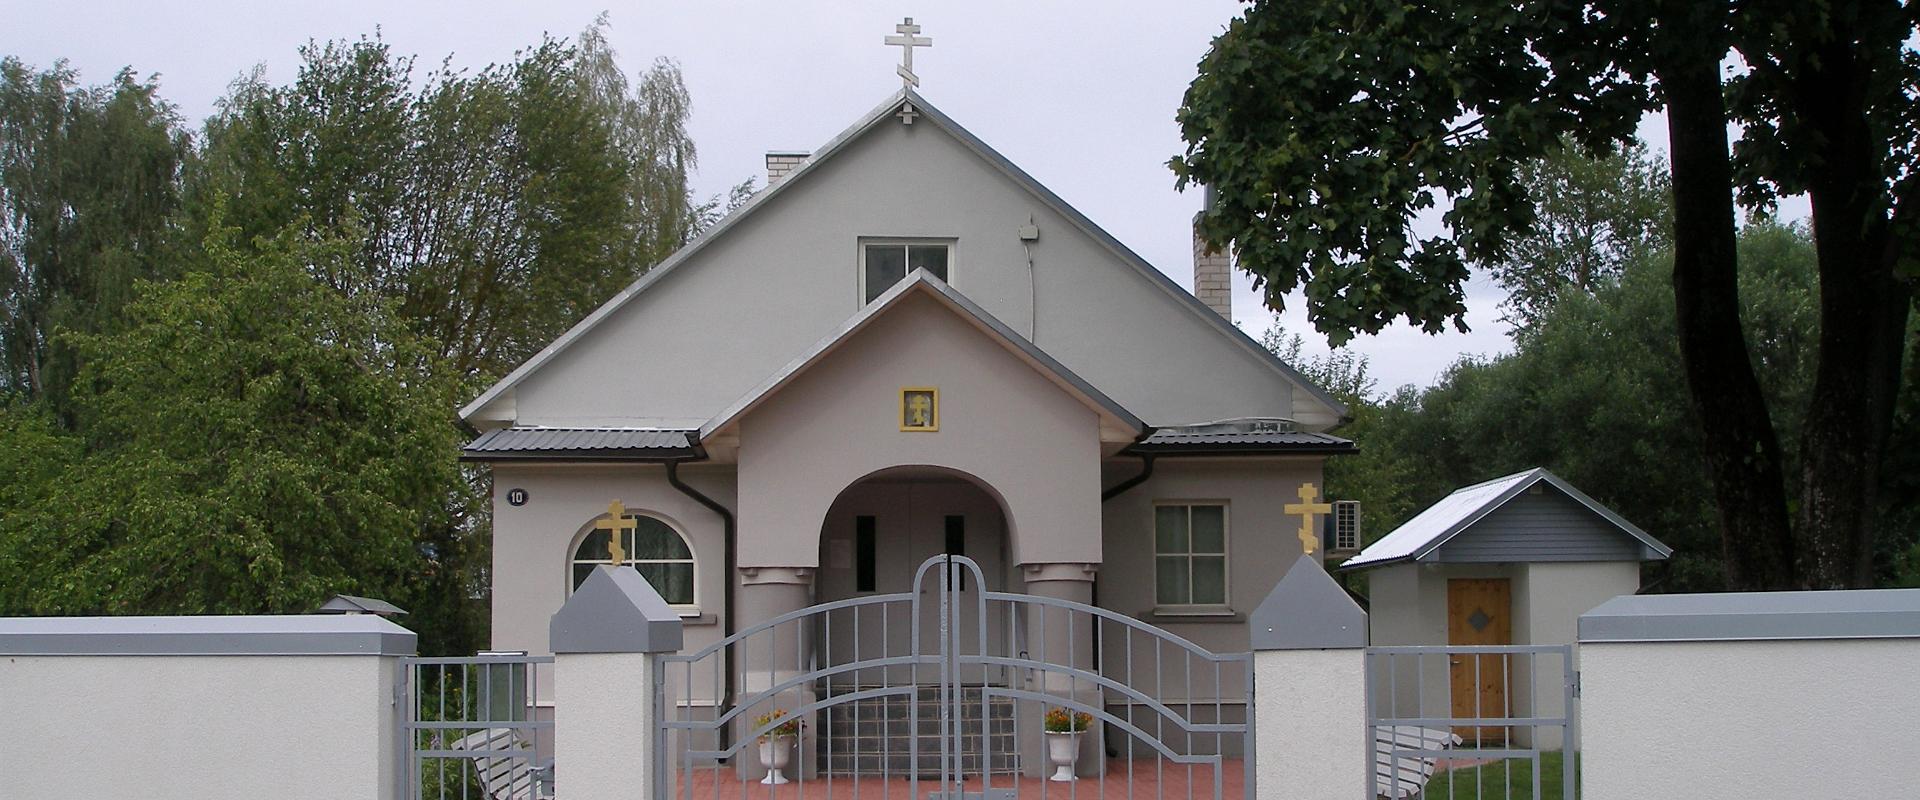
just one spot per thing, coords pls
(1166, 782)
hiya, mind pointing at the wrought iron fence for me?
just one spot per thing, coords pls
(941, 691)
(1473, 721)
(474, 728)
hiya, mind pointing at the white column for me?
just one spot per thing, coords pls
(606, 644)
(1309, 709)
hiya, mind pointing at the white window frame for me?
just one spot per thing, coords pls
(860, 259)
(1226, 558)
(580, 537)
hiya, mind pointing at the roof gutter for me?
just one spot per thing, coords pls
(730, 559)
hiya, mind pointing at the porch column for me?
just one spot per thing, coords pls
(770, 657)
(1066, 639)
(606, 643)
(1309, 710)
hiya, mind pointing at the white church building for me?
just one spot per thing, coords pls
(905, 346)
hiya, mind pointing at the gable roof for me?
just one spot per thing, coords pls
(1457, 512)
(924, 283)
(877, 116)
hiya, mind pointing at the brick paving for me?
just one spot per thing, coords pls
(1167, 781)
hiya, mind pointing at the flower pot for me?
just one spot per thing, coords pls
(776, 752)
(1062, 750)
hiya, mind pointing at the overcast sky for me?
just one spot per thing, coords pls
(1080, 95)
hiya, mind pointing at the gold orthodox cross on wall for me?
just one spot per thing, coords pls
(1307, 508)
(615, 524)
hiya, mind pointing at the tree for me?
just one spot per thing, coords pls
(88, 184)
(1325, 129)
(1592, 216)
(304, 450)
(494, 208)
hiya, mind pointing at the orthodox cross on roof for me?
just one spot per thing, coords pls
(615, 524)
(1307, 508)
(906, 41)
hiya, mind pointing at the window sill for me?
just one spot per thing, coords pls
(692, 618)
(1196, 614)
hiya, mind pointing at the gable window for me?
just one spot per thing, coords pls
(650, 546)
(1190, 554)
(884, 263)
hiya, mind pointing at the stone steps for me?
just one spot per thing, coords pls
(877, 735)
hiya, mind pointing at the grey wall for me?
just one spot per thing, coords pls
(1549, 526)
(757, 296)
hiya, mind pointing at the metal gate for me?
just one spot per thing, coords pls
(1482, 721)
(947, 685)
(474, 727)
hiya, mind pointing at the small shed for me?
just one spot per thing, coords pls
(1514, 560)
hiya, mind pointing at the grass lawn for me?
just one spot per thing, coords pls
(1491, 781)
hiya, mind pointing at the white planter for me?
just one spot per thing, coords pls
(1062, 750)
(776, 752)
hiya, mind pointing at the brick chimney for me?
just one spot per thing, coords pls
(782, 162)
(1212, 271)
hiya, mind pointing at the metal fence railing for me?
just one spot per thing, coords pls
(1473, 721)
(475, 727)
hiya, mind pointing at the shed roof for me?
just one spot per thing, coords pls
(580, 444)
(1457, 512)
(1176, 441)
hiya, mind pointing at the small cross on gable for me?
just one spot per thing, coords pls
(906, 40)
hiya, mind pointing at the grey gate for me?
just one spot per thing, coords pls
(942, 690)
(1481, 721)
(474, 727)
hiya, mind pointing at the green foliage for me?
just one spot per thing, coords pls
(493, 208)
(1508, 779)
(251, 441)
(88, 183)
(1593, 213)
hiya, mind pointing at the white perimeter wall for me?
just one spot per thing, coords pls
(1750, 719)
(201, 727)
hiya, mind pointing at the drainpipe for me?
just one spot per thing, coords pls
(1146, 471)
(730, 559)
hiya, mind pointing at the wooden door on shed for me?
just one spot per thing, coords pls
(1480, 612)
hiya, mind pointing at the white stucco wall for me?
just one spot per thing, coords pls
(605, 741)
(770, 286)
(1024, 438)
(233, 727)
(1738, 720)
(1262, 541)
(1310, 725)
(533, 544)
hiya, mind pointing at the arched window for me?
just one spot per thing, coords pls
(652, 547)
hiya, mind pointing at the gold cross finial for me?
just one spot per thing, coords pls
(1307, 508)
(615, 524)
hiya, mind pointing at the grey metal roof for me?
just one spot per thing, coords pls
(317, 634)
(350, 604)
(1732, 616)
(1456, 512)
(593, 444)
(923, 281)
(879, 114)
(1179, 440)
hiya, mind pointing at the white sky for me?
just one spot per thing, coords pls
(1080, 95)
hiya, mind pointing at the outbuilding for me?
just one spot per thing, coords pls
(1512, 561)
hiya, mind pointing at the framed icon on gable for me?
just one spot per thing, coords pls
(919, 408)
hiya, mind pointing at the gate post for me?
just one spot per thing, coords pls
(606, 643)
(1309, 709)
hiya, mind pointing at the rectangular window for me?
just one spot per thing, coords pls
(883, 264)
(1346, 525)
(1190, 554)
(863, 558)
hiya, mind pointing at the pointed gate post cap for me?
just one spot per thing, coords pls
(615, 611)
(1307, 610)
